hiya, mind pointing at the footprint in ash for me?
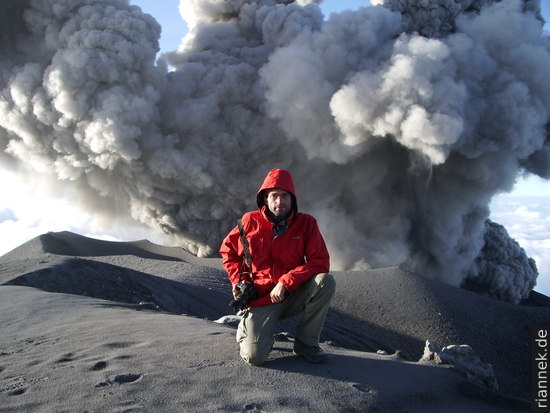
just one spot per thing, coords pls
(120, 379)
(100, 365)
(17, 392)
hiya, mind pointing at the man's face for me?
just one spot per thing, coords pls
(278, 201)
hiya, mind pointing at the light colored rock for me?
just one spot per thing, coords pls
(462, 358)
(231, 320)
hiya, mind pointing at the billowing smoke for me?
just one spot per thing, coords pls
(399, 122)
(505, 267)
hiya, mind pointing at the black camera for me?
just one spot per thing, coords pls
(247, 292)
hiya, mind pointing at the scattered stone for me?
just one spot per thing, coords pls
(462, 358)
(283, 336)
(230, 320)
(403, 355)
(148, 305)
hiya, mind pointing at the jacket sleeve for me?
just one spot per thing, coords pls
(232, 255)
(317, 259)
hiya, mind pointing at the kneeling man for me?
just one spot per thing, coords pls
(288, 269)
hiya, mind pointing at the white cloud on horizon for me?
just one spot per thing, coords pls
(34, 208)
(527, 220)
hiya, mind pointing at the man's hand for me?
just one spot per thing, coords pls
(236, 291)
(278, 293)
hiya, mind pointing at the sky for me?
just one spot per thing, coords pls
(523, 212)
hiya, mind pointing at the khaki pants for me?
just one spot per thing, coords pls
(312, 300)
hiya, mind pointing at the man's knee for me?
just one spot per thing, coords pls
(326, 282)
(252, 354)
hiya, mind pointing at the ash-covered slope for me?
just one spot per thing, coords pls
(137, 273)
(387, 309)
(63, 352)
(404, 309)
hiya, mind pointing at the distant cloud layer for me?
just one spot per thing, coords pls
(41, 207)
(400, 122)
(527, 219)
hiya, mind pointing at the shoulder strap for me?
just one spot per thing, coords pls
(246, 248)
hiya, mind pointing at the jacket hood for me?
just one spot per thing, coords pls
(280, 179)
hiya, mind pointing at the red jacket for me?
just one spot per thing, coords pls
(292, 258)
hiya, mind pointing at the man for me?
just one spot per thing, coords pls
(290, 264)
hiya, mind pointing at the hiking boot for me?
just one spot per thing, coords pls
(313, 354)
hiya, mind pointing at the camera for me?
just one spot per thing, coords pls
(247, 292)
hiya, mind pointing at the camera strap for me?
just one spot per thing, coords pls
(246, 248)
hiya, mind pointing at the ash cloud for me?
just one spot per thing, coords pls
(399, 122)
